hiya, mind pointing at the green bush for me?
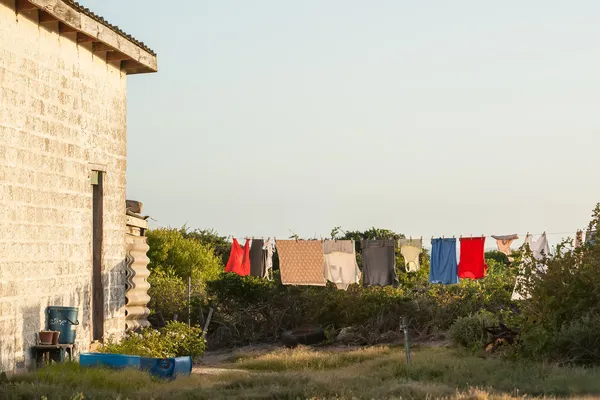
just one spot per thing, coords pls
(250, 310)
(184, 340)
(184, 257)
(168, 294)
(498, 257)
(210, 238)
(174, 340)
(561, 320)
(470, 331)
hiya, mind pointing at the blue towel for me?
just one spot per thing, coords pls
(443, 267)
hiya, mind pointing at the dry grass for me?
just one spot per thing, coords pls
(371, 373)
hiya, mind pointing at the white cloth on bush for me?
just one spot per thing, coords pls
(540, 250)
(269, 248)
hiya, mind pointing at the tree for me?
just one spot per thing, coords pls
(182, 257)
(209, 237)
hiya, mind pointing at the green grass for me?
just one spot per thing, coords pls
(371, 373)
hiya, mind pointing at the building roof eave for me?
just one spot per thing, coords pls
(121, 49)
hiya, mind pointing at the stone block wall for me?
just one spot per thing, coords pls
(62, 109)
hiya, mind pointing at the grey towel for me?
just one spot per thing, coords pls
(342, 246)
(257, 258)
(379, 263)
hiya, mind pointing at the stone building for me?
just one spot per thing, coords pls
(63, 221)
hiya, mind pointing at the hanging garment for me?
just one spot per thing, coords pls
(472, 259)
(301, 262)
(245, 267)
(239, 259)
(443, 261)
(590, 236)
(257, 258)
(410, 250)
(269, 249)
(539, 250)
(340, 264)
(379, 263)
(578, 238)
(503, 242)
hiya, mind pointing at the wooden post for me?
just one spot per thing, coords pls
(205, 329)
(404, 327)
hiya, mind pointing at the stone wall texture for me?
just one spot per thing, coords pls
(61, 109)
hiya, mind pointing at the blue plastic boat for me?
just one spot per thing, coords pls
(117, 361)
(168, 368)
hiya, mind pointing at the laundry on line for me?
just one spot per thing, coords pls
(314, 262)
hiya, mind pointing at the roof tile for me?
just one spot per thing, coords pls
(115, 28)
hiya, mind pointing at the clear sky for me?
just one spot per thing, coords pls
(428, 118)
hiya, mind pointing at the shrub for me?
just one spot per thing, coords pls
(171, 251)
(184, 340)
(168, 293)
(498, 257)
(174, 340)
(561, 320)
(210, 238)
(470, 331)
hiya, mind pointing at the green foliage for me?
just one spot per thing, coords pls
(146, 342)
(252, 310)
(470, 331)
(174, 340)
(212, 239)
(498, 257)
(561, 319)
(183, 257)
(168, 293)
(184, 340)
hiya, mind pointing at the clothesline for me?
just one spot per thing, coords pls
(484, 235)
(421, 237)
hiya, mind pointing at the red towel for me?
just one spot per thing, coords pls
(239, 259)
(472, 258)
(245, 266)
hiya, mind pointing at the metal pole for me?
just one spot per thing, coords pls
(406, 342)
(189, 301)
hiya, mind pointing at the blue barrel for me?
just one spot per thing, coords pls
(64, 320)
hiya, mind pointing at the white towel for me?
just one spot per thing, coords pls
(540, 250)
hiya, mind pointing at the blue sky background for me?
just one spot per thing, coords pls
(428, 118)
